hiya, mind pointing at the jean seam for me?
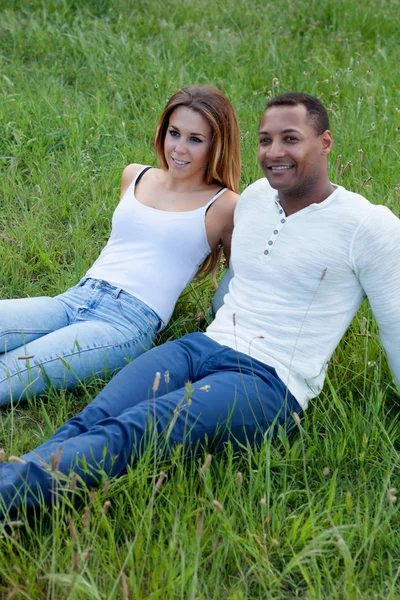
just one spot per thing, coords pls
(25, 331)
(70, 314)
(134, 341)
(146, 317)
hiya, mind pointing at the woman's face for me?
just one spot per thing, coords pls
(187, 144)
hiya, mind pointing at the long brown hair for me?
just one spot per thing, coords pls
(224, 164)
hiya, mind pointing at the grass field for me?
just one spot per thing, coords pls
(82, 85)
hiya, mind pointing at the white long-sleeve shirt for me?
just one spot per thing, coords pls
(299, 280)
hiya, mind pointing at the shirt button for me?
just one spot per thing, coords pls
(270, 243)
(276, 232)
(266, 251)
(283, 220)
(281, 211)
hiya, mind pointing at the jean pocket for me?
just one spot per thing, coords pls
(138, 314)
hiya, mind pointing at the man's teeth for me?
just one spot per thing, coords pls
(281, 168)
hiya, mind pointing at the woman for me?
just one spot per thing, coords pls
(170, 224)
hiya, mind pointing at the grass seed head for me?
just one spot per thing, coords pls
(16, 459)
(325, 472)
(125, 586)
(86, 517)
(218, 505)
(390, 494)
(344, 168)
(156, 383)
(92, 495)
(16, 524)
(206, 464)
(340, 543)
(74, 481)
(160, 480)
(106, 506)
(349, 502)
(275, 543)
(106, 486)
(296, 418)
(13, 593)
(263, 501)
(363, 328)
(365, 181)
(72, 529)
(2, 455)
(239, 477)
(200, 522)
(86, 555)
(55, 459)
(75, 562)
(166, 377)
(217, 544)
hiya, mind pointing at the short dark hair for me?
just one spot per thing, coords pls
(315, 109)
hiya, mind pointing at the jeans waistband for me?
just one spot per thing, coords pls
(114, 290)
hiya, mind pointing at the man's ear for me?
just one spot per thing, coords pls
(326, 142)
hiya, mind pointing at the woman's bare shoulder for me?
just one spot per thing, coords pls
(226, 203)
(128, 175)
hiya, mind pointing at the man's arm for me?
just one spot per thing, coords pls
(376, 260)
(218, 299)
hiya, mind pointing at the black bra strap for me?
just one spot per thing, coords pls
(210, 205)
(141, 175)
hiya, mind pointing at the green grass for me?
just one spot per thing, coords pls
(82, 84)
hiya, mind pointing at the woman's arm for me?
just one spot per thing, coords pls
(219, 222)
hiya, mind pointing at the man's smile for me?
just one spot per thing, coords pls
(279, 167)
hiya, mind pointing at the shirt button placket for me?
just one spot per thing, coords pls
(275, 232)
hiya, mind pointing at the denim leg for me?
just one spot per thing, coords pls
(133, 384)
(66, 357)
(127, 389)
(107, 329)
(232, 398)
(25, 319)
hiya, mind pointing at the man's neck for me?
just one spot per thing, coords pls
(293, 202)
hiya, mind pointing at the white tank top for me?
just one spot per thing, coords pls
(153, 254)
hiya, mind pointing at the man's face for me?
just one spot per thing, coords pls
(290, 152)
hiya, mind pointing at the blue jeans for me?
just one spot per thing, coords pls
(232, 397)
(90, 330)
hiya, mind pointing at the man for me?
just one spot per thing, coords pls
(305, 253)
